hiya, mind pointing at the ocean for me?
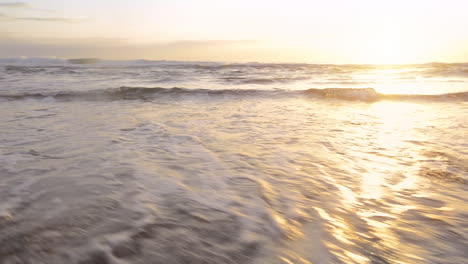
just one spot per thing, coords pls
(200, 162)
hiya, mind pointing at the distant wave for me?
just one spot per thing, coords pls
(32, 60)
(52, 70)
(369, 94)
(223, 65)
(142, 93)
(83, 61)
(135, 93)
(247, 80)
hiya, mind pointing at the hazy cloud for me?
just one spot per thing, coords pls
(4, 17)
(48, 19)
(14, 4)
(220, 50)
(194, 43)
(25, 6)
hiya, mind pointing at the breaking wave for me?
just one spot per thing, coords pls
(142, 93)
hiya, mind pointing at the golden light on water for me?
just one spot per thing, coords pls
(383, 169)
(389, 133)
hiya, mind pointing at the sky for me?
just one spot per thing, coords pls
(327, 31)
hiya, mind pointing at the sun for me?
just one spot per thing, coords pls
(387, 49)
(389, 44)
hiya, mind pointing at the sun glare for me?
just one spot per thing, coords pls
(388, 48)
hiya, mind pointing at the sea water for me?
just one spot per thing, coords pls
(200, 162)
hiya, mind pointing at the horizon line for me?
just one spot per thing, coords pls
(230, 62)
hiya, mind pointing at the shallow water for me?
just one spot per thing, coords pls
(261, 175)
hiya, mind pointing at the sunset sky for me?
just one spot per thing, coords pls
(332, 31)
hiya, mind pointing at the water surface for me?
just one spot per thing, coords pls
(242, 163)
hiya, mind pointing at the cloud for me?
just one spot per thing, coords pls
(198, 50)
(48, 19)
(14, 5)
(196, 43)
(4, 17)
(25, 6)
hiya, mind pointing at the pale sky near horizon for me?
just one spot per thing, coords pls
(332, 31)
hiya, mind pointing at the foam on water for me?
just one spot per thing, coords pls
(143, 93)
(29, 74)
(101, 163)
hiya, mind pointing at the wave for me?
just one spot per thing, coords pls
(142, 93)
(23, 70)
(369, 94)
(247, 80)
(83, 61)
(135, 93)
(361, 94)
